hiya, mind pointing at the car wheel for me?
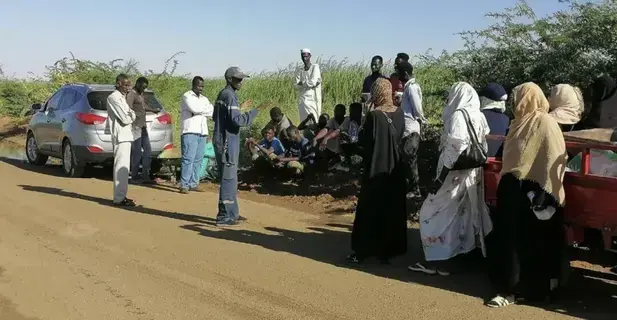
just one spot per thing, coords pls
(69, 162)
(32, 151)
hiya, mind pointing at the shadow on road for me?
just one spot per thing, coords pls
(589, 295)
(55, 170)
(108, 202)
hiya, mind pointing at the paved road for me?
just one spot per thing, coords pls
(66, 254)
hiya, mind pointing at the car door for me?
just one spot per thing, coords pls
(42, 132)
(57, 123)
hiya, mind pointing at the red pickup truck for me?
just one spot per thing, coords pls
(591, 200)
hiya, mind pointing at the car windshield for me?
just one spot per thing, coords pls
(98, 101)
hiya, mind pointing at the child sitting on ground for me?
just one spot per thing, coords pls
(299, 155)
(328, 140)
(349, 132)
(311, 127)
(278, 121)
(267, 149)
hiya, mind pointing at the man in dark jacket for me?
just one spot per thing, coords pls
(227, 123)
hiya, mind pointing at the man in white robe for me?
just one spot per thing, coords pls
(308, 82)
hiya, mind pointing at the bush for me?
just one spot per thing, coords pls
(342, 84)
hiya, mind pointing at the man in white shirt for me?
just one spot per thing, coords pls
(120, 119)
(194, 128)
(308, 83)
(411, 103)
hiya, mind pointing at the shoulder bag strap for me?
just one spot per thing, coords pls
(394, 133)
(470, 129)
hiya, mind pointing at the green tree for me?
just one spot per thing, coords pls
(573, 45)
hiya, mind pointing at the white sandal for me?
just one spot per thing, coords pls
(442, 272)
(499, 302)
(418, 267)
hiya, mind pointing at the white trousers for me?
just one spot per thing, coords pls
(308, 105)
(122, 162)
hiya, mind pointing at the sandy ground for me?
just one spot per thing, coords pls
(65, 253)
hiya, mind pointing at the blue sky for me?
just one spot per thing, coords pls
(255, 35)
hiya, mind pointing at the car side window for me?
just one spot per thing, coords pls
(54, 102)
(68, 99)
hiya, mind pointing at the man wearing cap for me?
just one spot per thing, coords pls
(227, 123)
(308, 83)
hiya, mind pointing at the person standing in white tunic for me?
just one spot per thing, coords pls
(308, 83)
(121, 117)
(454, 218)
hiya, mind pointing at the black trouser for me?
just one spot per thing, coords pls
(411, 143)
(349, 149)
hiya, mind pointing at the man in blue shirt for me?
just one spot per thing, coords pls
(268, 148)
(228, 121)
(299, 154)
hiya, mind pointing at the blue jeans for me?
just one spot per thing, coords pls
(228, 201)
(193, 147)
(137, 155)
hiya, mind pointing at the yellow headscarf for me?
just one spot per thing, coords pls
(566, 104)
(534, 148)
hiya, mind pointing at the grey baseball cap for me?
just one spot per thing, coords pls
(235, 72)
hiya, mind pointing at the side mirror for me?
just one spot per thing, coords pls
(36, 106)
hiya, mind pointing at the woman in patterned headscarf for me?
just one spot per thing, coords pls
(380, 225)
(528, 231)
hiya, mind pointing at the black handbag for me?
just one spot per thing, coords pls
(475, 156)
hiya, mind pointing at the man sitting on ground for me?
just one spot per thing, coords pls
(328, 139)
(299, 155)
(349, 132)
(311, 127)
(267, 149)
(278, 121)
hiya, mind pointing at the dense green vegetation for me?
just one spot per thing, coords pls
(573, 45)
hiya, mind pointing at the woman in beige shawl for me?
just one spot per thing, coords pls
(566, 106)
(528, 234)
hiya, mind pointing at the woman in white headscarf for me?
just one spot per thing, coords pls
(566, 105)
(454, 218)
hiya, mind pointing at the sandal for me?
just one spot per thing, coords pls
(125, 203)
(418, 267)
(353, 258)
(443, 272)
(499, 302)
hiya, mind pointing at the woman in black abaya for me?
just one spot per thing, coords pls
(380, 225)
